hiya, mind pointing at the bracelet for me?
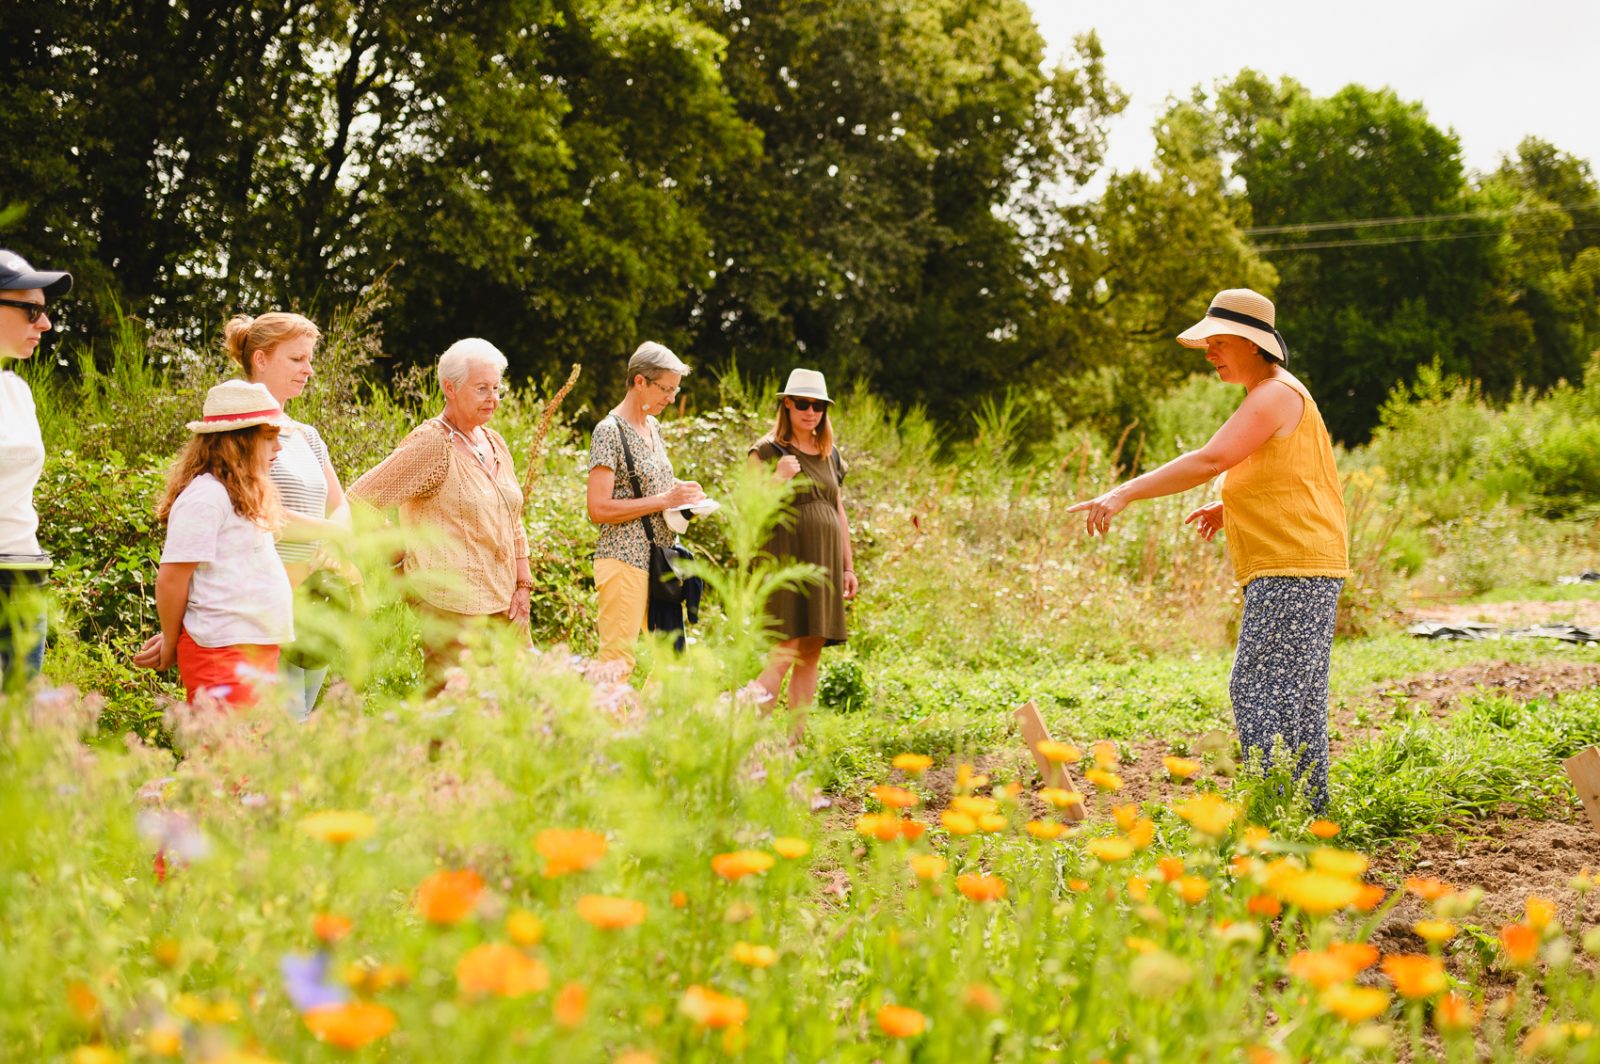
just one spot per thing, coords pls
(524, 584)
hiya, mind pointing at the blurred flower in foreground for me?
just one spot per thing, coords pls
(1415, 976)
(708, 1008)
(1355, 1004)
(790, 847)
(525, 928)
(1181, 768)
(928, 865)
(338, 826)
(913, 764)
(897, 1021)
(571, 1004)
(1520, 943)
(502, 970)
(351, 1025)
(754, 956)
(305, 980)
(330, 927)
(894, 797)
(741, 863)
(567, 851)
(1207, 814)
(174, 834)
(449, 897)
(611, 914)
(981, 888)
(1323, 829)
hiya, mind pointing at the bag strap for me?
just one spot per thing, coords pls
(633, 478)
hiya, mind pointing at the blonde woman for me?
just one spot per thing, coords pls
(454, 476)
(815, 531)
(628, 440)
(23, 563)
(223, 599)
(277, 350)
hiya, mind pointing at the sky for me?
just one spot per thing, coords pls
(1494, 72)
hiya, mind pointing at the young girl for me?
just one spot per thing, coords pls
(222, 594)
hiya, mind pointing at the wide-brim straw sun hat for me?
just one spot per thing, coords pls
(1239, 312)
(805, 384)
(237, 404)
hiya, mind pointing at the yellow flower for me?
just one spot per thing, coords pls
(1060, 753)
(1192, 889)
(790, 847)
(1338, 862)
(958, 823)
(566, 851)
(1105, 781)
(912, 764)
(969, 780)
(1317, 892)
(741, 863)
(928, 865)
(1060, 798)
(164, 1039)
(191, 1007)
(1105, 755)
(1355, 1004)
(991, 822)
(1047, 830)
(1138, 888)
(1538, 912)
(96, 1054)
(1436, 932)
(525, 928)
(611, 913)
(897, 1021)
(974, 806)
(1111, 849)
(1207, 814)
(1142, 833)
(1181, 768)
(338, 827)
(754, 956)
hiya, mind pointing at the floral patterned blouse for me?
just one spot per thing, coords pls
(626, 542)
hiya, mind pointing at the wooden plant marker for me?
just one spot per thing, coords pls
(1583, 769)
(1055, 774)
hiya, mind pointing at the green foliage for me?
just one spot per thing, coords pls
(843, 686)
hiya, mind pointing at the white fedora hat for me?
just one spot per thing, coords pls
(238, 405)
(805, 384)
(1239, 312)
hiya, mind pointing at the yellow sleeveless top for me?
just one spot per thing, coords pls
(1283, 508)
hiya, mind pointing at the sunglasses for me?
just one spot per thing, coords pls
(807, 405)
(35, 311)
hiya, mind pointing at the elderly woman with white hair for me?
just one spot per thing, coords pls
(631, 486)
(455, 476)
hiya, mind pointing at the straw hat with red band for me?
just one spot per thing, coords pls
(239, 405)
(1239, 312)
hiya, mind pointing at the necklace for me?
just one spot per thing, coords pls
(481, 451)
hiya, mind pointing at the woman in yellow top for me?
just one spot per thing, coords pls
(454, 475)
(1282, 512)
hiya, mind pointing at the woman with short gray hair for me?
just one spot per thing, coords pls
(631, 486)
(455, 475)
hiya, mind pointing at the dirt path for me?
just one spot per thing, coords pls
(1511, 614)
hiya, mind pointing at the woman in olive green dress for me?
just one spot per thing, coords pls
(815, 531)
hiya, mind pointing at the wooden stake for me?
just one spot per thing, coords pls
(1583, 769)
(1055, 774)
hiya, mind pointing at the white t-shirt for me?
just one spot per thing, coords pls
(301, 483)
(240, 592)
(21, 462)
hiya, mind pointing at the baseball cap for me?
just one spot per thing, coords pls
(15, 273)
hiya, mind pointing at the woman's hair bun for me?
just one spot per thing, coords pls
(235, 337)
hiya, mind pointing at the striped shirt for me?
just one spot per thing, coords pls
(302, 485)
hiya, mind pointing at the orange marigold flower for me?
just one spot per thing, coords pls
(895, 797)
(912, 764)
(1452, 1012)
(1538, 912)
(706, 1007)
(928, 865)
(1355, 1004)
(752, 955)
(789, 847)
(449, 897)
(1264, 1055)
(884, 827)
(1105, 781)
(981, 888)
(1414, 975)
(1369, 897)
(911, 830)
(1138, 888)
(1170, 868)
(1077, 886)
(1060, 753)
(974, 805)
(1111, 848)
(525, 928)
(967, 779)
(1142, 833)
(1105, 755)
(897, 1021)
(351, 1025)
(1338, 862)
(1048, 830)
(1207, 814)
(741, 863)
(1316, 892)
(1436, 932)
(1427, 888)
(566, 851)
(570, 1005)
(1322, 968)
(636, 1056)
(502, 970)
(1181, 768)
(611, 913)
(1192, 889)
(679, 899)
(338, 826)
(1323, 829)
(1520, 943)
(330, 927)
(1125, 814)
(1254, 837)
(1060, 797)
(981, 998)
(1358, 955)
(991, 822)
(957, 822)
(1264, 905)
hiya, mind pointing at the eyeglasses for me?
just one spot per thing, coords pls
(490, 391)
(808, 405)
(668, 392)
(35, 311)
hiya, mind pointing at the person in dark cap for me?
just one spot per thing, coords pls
(23, 565)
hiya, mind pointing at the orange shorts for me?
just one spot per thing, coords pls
(226, 673)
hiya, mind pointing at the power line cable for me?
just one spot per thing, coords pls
(1369, 223)
(1418, 238)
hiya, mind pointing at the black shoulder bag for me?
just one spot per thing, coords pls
(667, 585)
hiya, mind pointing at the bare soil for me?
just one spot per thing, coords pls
(1510, 614)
